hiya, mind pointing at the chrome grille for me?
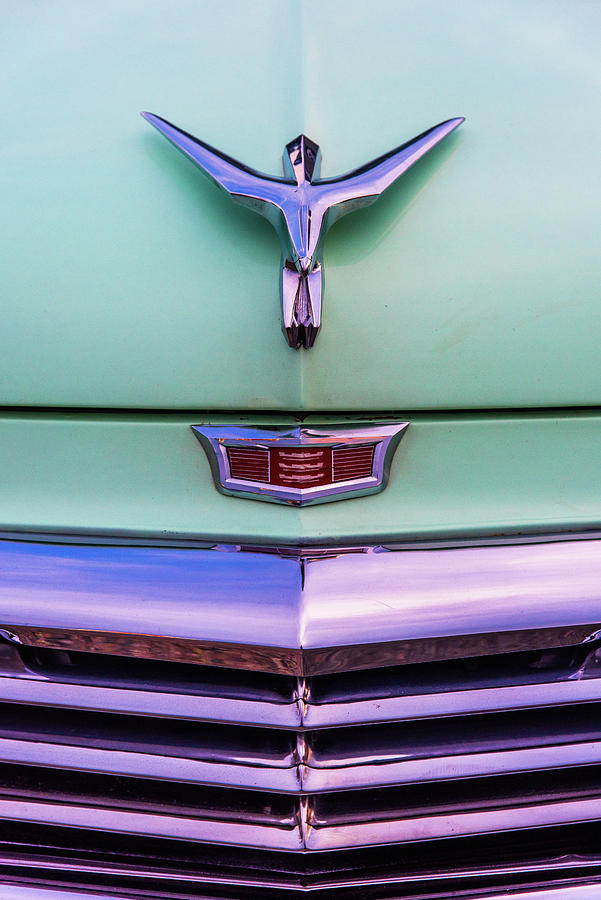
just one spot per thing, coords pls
(216, 721)
(428, 780)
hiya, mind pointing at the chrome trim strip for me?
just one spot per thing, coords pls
(550, 870)
(308, 549)
(297, 662)
(325, 611)
(157, 646)
(449, 703)
(134, 764)
(451, 825)
(308, 836)
(185, 828)
(588, 891)
(408, 650)
(300, 779)
(318, 886)
(298, 715)
(31, 892)
(474, 764)
(65, 695)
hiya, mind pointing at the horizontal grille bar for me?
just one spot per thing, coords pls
(331, 822)
(587, 891)
(56, 854)
(295, 715)
(190, 828)
(315, 765)
(116, 684)
(433, 827)
(578, 892)
(72, 758)
(302, 779)
(294, 758)
(147, 703)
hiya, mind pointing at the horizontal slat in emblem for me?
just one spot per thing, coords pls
(299, 465)
(249, 464)
(349, 462)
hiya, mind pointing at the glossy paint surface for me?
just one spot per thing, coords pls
(147, 475)
(473, 283)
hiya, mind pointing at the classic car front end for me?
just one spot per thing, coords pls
(315, 612)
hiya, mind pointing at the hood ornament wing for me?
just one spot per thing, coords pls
(302, 207)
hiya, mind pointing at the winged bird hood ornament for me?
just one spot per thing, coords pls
(302, 207)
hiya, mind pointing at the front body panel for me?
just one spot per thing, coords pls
(131, 281)
(451, 475)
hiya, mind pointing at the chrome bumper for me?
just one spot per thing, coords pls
(301, 612)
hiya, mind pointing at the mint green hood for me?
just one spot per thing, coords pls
(128, 280)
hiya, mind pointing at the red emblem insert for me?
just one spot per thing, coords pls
(301, 467)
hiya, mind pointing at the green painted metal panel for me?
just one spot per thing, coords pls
(128, 280)
(452, 475)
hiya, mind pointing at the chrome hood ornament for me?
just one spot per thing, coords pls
(302, 207)
(300, 464)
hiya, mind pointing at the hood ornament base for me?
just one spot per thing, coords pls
(302, 207)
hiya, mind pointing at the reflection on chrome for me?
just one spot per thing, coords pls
(324, 609)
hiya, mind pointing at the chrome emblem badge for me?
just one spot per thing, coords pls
(302, 207)
(300, 464)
